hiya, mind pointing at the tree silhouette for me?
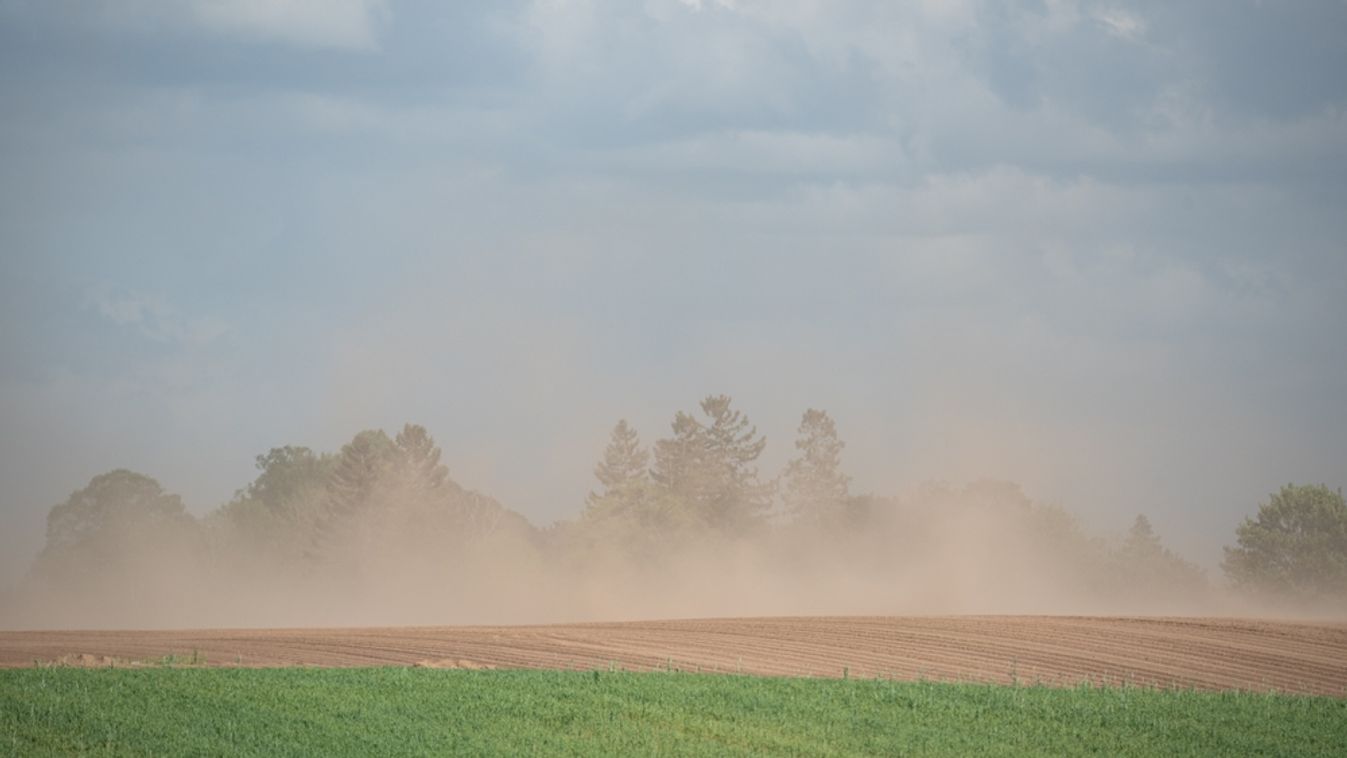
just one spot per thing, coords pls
(277, 514)
(816, 488)
(121, 528)
(362, 463)
(416, 461)
(710, 468)
(1295, 549)
(623, 464)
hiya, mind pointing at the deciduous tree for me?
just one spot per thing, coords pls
(122, 528)
(276, 515)
(1295, 548)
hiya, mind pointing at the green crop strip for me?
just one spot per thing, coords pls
(394, 711)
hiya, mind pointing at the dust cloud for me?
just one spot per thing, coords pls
(379, 534)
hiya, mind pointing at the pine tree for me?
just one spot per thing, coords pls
(1150, 573)
(816, 489)
(416, 461)
(352, 493)
(737, 500)
(680, 461)
(623, 460)
(623, 464)
(1142, 543)
(710, 468)
(362, 463)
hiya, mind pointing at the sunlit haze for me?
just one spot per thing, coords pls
(1094, 249)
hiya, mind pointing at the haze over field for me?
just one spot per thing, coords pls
(1095, 249)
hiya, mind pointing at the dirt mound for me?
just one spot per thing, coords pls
(1205, 653)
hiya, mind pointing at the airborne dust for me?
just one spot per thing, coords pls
(379, 534)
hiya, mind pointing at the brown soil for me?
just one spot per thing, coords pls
(1205, 653)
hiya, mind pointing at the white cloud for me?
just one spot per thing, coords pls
(1121, 23)
(348, 24)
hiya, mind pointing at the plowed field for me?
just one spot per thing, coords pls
(1202, 653)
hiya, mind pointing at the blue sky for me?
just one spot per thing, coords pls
(1095, 248)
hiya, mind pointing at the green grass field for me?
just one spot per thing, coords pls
(396, 711)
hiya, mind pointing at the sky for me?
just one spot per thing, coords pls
(1098, 249)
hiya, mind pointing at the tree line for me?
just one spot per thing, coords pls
(386, 504)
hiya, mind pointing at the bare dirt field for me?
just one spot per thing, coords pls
(1205, 653)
